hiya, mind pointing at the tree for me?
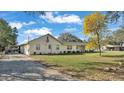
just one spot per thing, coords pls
(91, 44)
(94, 25)
(8, 35)
(14, 35)
(117, 37)
(67, 37)
(115, 16)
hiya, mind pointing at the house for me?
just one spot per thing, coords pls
(48, 44)
(114, 48)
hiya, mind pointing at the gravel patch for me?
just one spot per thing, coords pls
(23, 68)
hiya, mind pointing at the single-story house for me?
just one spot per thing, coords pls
(48, 44)
(113, 48)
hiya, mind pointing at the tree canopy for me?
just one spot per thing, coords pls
(8, 35)
(116, 38)
(68, 37)
(115, 16)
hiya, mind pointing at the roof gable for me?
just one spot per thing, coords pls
(45, 36)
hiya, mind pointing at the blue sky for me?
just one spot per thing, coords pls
(53, 23)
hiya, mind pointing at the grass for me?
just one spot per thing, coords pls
(87, 66)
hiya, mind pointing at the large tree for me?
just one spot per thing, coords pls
(94, 25)
(68, 37)
(8, 35)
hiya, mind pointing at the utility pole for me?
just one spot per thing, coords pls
(28, 43)
(28, 39)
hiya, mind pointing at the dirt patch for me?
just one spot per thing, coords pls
(52, 73)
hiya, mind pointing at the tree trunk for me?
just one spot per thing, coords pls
(99, 46)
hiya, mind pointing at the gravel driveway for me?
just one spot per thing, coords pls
(23, 68)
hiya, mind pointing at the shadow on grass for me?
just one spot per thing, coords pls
(92, 66)
(120, 73)
(89, 69)
(112, 55)
(97, 63)
(60, 54)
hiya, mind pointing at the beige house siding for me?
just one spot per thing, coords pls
(25, 49)
(74, 48)
(44, 46)
(41, 46)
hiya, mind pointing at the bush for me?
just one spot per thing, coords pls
(73, 52)
(34, 53)
(69, 52)
(64, 52)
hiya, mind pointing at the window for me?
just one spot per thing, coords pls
(38, 47)
(49, 47)
(69, 47)
(80, 47)
(47, 40)
(57, 47)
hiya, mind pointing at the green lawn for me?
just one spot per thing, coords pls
(84, 66)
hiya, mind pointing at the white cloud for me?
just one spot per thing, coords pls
(29, 23)
(16, 24)
(56, 37)
(39, 32)
(19, 25)
(66, 18)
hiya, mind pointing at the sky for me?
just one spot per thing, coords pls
(54, 23)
